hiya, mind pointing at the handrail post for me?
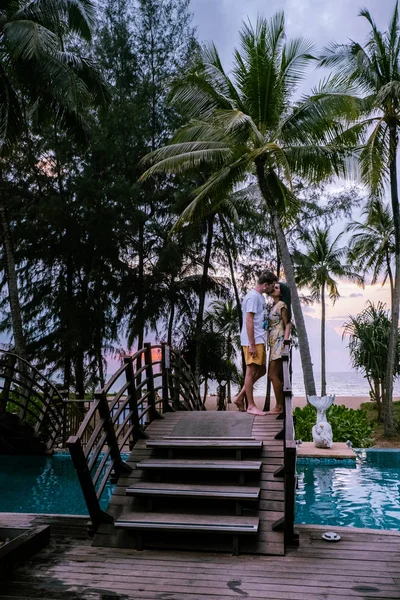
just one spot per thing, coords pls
(119, 465)
(97, 515)
(165, 367)
(177, 389)
(151, 398)
(133, 403)
(291, 538)
(288, 470)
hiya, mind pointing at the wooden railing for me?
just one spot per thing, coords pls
(288, 470)
(153, 381)
(29, 395)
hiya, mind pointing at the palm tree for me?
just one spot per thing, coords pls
(316, 268)
(372, 245)
(247, 125)
(369, 334)
(375, 69)
(39, 77)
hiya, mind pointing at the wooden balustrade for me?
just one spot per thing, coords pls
(29, 395)
(288, 470)
(114, 423)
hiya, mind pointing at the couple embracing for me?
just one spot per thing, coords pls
(258, 325)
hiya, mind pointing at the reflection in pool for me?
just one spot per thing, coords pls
(42, 484)
(362, 493)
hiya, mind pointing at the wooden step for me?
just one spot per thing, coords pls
(208, 443)
(182, 490)
(200, 465)
(202, 523)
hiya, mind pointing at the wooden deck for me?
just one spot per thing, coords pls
(363, 565)
(270, 506)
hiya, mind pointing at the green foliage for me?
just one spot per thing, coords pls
(16, 403)
(369, 333)
(346, 423)
(371, 411)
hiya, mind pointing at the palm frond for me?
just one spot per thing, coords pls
(178, 158)
(374, 158)
(213, 193)
(28, 40)
(11, 120)
(296, 57)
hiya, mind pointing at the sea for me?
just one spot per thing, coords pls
(347, 383)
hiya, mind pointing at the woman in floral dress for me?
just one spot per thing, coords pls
(279, 327)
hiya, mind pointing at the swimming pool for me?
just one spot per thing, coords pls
(362, 493)
(43, 484)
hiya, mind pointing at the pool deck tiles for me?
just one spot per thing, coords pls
(338, 450)
(364, 565)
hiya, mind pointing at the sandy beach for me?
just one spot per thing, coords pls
(349, 401)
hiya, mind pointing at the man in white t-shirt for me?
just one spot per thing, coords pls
(253, 340)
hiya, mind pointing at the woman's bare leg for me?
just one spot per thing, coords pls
(275, 376)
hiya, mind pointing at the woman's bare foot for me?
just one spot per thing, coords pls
(240, 404)
(276, 411)
(253, 410)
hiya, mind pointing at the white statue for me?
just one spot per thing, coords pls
(322, 431)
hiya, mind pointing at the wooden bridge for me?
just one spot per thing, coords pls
(194, 479)
(185, 477)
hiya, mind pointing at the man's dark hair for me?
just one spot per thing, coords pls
(267, 277)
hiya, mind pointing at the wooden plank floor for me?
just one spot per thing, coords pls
(271, 502)
(364, 565)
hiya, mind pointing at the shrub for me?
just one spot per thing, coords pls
(346, 423)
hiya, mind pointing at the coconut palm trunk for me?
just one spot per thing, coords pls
(305, 355)
(387, 407)
(323, 341)
(304, 347)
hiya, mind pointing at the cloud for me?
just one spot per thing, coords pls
(356, 296)
(322, 22)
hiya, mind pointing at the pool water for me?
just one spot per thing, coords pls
(362, 493)
(43, 484)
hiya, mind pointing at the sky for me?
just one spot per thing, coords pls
(322, 21)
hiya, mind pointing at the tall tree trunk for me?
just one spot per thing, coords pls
(393, 338)
(171, 322)
(68, 352)
(308, 375)
(202, 297)
(234, 284)
(323, 325)
(390, 275)
(79, 376)
(100, 363)
(141, 287)
(11, 272)
(305, 355)
(140, 304)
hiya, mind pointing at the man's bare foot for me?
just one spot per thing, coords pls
(240, 404)
(276, 411)
(253, 410)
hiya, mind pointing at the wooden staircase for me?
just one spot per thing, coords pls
(214, 493)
